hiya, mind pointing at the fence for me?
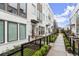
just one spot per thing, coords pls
(74, 43)
(75, 46)
(35, 44)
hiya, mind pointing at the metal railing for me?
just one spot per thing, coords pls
(74, 43)
(38, 43)
(75, 46)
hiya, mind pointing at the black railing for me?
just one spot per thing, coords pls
(75, 47)
(74, 43)
(38, 42)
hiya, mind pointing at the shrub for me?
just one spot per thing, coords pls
(66, 41)
(37, 53)
(53, 38)
(28, 52)
(67, 44)
(46, 47)
(69, 49)
(43, 50)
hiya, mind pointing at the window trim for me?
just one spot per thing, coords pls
(19, 31)
(8, 31)
(3, 31)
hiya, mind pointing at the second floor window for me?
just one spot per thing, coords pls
(23, 9)
(12, 7)
(2, 6)
(33, 9)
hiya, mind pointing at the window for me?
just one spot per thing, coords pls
(12, 31)
(34, 9)
(2, 6)
(12, 7)
(22, 31)
(1, 31)
(23, 9)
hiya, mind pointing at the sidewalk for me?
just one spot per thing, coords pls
(58, 48)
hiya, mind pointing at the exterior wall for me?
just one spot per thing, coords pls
(31, 14)
(47, 11)
(73, 19)
(7, 16)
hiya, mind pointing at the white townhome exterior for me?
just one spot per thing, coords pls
(74, 21)
(23, 22)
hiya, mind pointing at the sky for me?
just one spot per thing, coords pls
(62, 12)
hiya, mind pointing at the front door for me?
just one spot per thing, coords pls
(33, 31)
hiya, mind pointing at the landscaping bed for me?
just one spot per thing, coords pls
(29, 49)
(53, 38)
(67, 44)
(30, 52)
(27, 52)
(42, 51)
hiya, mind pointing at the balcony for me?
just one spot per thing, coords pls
(34, 21)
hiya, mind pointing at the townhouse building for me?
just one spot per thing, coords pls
(23, 22)
(74, 21)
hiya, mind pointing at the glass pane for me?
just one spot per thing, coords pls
(2, 6)
(22, 32)
(1, 31)
(22, 9)
(14, 5)
(12, 8)
(12, 31)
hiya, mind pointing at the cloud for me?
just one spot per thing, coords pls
(63, 18)
(67, 11)
(60, 19)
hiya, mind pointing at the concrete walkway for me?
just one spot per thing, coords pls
(58, 48)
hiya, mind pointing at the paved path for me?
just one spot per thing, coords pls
(58, 48)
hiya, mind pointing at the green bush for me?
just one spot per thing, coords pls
(67, 45)
(66, 40)
(37, 53)
(46, 47)
(28, 52)
(53, 38)
(43, 50)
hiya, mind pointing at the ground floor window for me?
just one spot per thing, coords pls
(22, 31)
(2, 31)
(12, 31)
